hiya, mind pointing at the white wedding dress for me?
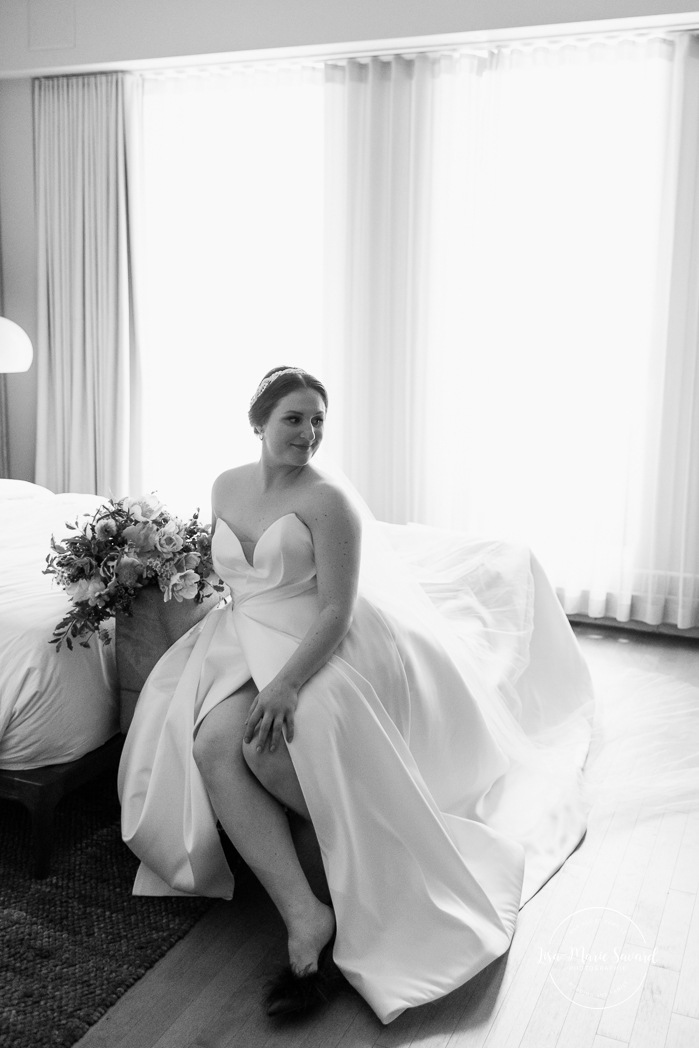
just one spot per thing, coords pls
(444, 788)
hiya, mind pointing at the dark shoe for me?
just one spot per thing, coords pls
(293, 994)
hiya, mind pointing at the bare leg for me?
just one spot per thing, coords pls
(308, 851)
(277, 774)
(257, 825)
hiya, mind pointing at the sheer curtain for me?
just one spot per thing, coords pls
(87, 435)
(231, 195)
(4, 457)
(4, 430)
(513, 304)
(665, 584)
(379, 191)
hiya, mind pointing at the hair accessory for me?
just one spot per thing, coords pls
(273, 378)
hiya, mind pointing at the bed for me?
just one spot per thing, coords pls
(59, 721)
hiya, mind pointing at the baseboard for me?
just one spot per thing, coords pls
(633, 626)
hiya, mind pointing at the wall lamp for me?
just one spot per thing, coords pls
(15, 347)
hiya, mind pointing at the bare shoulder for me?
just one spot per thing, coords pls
(336, 529)
(326, 505)
(230, 484)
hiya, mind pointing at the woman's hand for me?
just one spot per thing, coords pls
(273, 708)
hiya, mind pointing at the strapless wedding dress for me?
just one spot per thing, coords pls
(431, 835)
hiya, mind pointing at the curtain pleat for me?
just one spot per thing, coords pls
(666, 577)
(512, 303)
(378, 207)
(85, 350)
(4, 419)
(4, 432)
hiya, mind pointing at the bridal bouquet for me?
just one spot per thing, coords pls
(127, 545)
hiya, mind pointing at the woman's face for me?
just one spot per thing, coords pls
(293, 432)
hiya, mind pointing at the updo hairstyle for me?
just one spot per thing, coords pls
(263, 405)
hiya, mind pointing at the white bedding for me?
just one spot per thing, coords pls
(54, 707)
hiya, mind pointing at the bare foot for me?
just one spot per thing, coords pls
(307, 941)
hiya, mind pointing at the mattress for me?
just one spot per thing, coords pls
(54, 706)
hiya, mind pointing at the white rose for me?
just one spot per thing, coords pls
(78, 591)
(145, 507)
(168, 539)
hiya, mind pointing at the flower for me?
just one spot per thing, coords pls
(126, 545)
(183, 586)
(168, 539)
(107, 566)
(85, 589)
(105, 529)
(129, 570)
(141, 536)
(146, 507)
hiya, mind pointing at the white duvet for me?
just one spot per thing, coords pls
(54, 706)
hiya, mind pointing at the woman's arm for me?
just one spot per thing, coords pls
(336, 531)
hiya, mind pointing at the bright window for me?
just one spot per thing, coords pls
(233, 249)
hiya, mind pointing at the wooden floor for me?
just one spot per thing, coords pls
(605, 955)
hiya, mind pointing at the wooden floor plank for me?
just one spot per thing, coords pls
(362, 1032)
(587, 952)
(623, 1000)
(328, 1029)
(602, 961)
(655, 1009)
(604, 955)
(687, 999)
(594, 929)
(547, 1020)
(683, 1032)
(686, 875)
(230, 1001)
(649, 909)
(579, 1028)
(673, 931)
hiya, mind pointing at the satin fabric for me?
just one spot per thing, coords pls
(431, 834)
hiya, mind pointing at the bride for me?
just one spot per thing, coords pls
(331, 692)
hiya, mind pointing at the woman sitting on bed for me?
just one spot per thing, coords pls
(306, 695)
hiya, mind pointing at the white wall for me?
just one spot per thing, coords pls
(57, 35)
(60, 36)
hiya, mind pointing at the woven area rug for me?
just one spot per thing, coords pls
(70, 945)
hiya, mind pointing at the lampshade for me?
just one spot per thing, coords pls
(15, 347)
